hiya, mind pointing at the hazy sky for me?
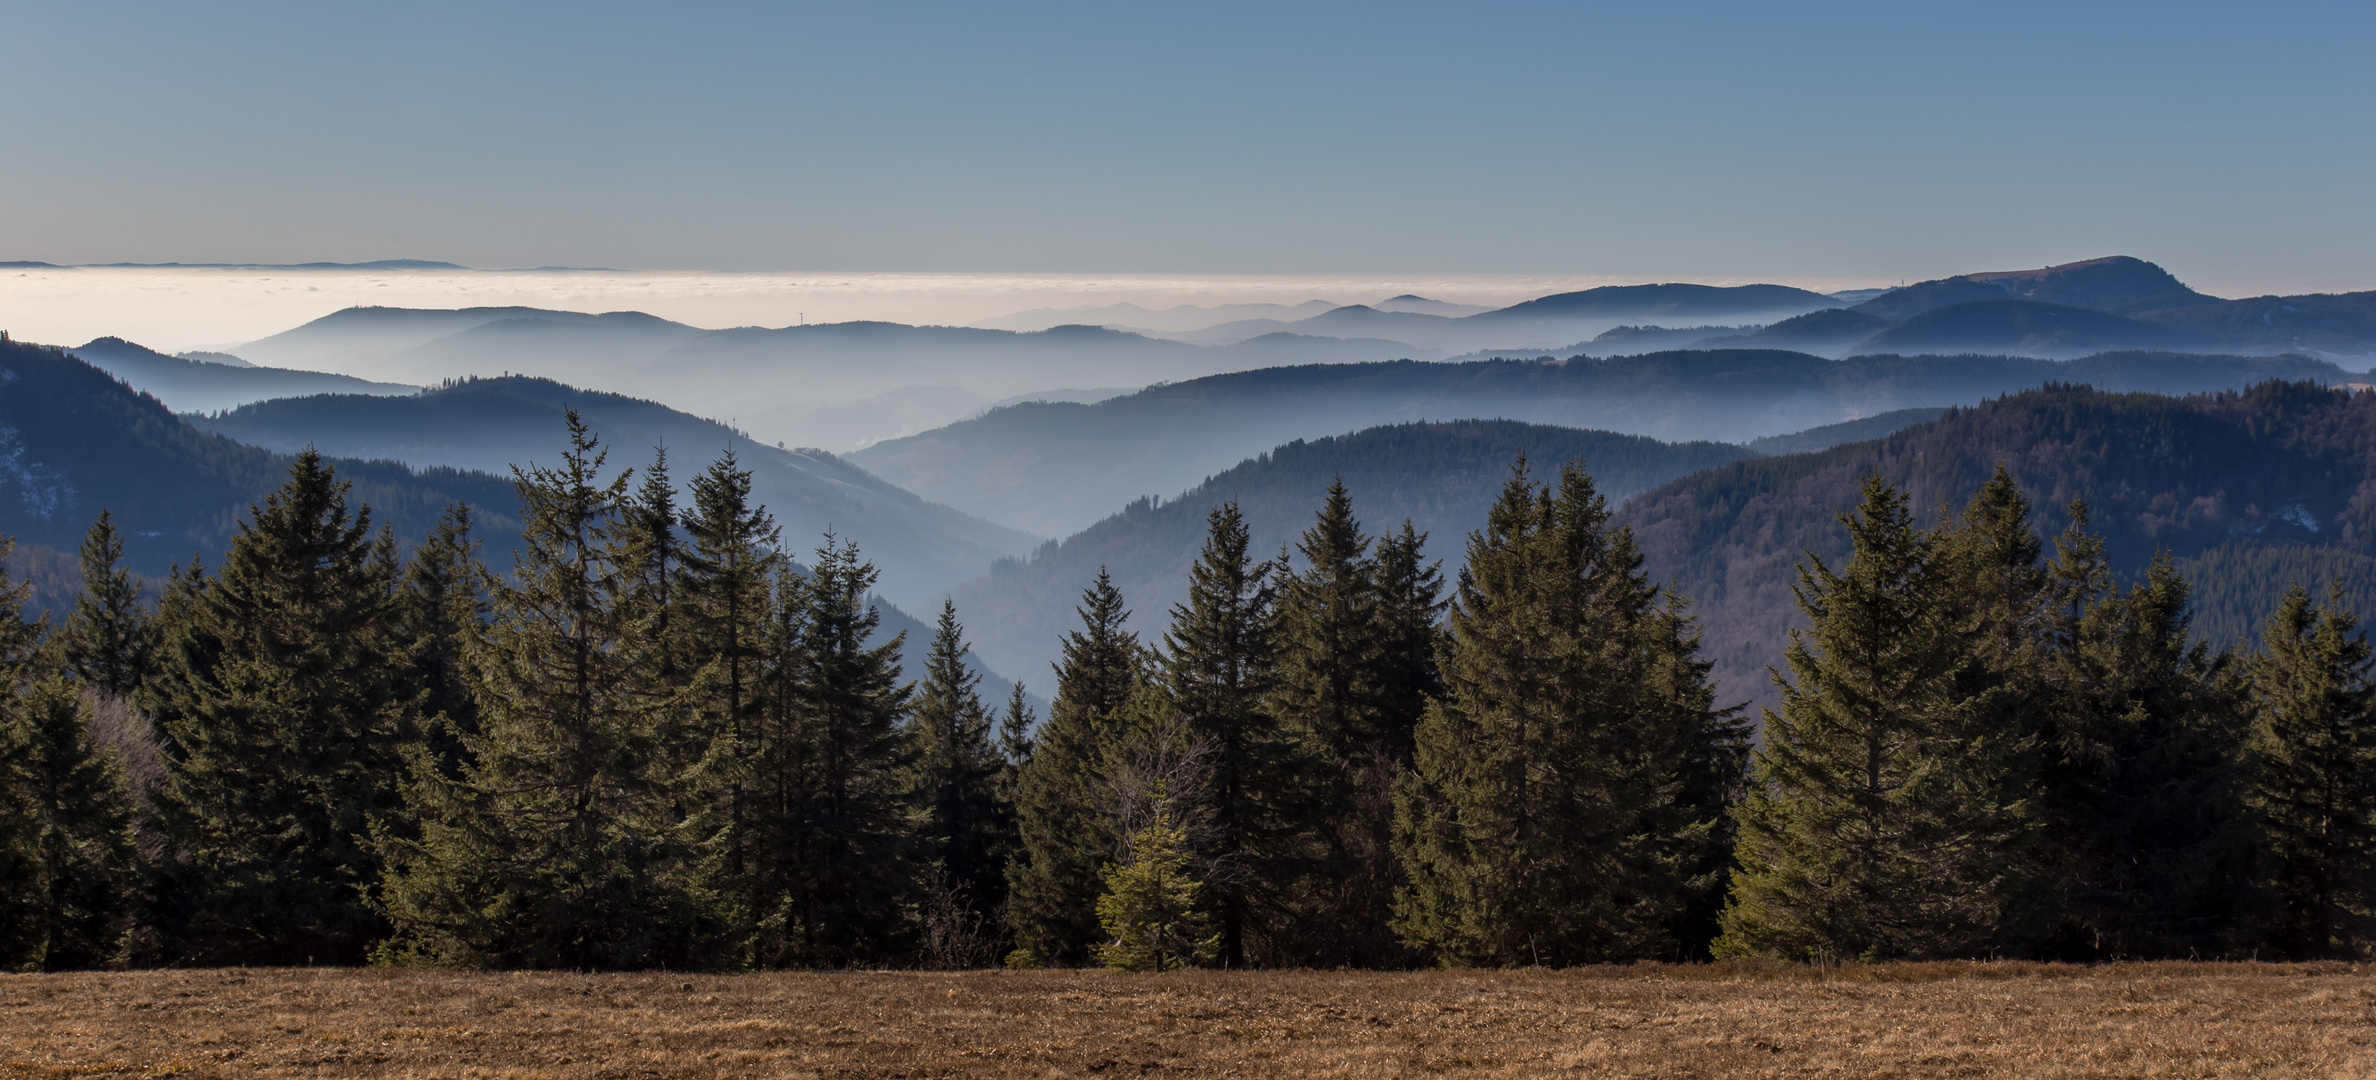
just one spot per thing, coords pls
(2228, 141)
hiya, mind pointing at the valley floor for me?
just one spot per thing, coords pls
(1965, 1020)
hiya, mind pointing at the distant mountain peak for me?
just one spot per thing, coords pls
(2119, 284)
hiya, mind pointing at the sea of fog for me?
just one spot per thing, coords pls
(179, 309)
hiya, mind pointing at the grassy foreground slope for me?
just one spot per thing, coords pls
(1937, 1020)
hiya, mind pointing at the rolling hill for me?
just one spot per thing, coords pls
(2025, 328)
(1440, 476)
(2281, 465)
(492, 424)
(2341, 325)
(74, 439)
(192, 384)
(1054, 468)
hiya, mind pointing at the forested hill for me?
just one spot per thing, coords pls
(2279, 465)
(73, 439)
(1058, 467)
(1440, 476)
(492, 424)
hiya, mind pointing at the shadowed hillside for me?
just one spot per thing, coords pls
(1055, 468)
(1440, 476)
(493, 424)
(2280, 464)
(73, 439)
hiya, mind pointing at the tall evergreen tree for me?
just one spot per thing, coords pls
(284, 709)
(1064, 816)
(563, 842)
(1219, 667)
(66, 902)
(108, 643)
(1883, 819)
(1544, 819)
(966, 830)
(1015, 746)
(847, 850)
(1342, 689)
(2317, 783)
(2145, 830)
(728, 567)
(442, 610)
(1410, 613)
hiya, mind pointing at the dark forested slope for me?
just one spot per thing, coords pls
(2280, 465)
(73, 439)
(1440, 476)
(491, 424)
(1054, 468)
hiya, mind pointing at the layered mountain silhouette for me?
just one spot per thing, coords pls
(74, 440)
(201, 383)
(1057, 467)
(820, 384)
(493, 424)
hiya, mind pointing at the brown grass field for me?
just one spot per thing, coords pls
(1963, 1020)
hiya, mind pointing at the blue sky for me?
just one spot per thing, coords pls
(2230, 142)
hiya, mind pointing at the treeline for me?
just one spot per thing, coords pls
(656, 742)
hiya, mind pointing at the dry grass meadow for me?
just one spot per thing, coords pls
(1963, 1020)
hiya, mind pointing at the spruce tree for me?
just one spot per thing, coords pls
(1545, 817)
(1335, 691)
(847, 851)
(1219, 666)
(1064, 816)
(108, 643)
(1152, 910)
(763, 856)
(282, 700)
(1410, 616)
(966, 832)
(2317, 780)
(67, 899)
(1883, 820)
(728, 569)
(563, 843)
(442, 610)
(1015, 746)
(2146, 832)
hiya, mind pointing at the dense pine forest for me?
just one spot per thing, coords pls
(655, 741)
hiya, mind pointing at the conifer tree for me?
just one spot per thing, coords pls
(283, 705)
(108, 643)
(2317, 782)
(1883, 820)
(442, 610)
(763, 856)
(1410, 614)
(966, 830)
(1339, 689)
(1015, 745)
(729, 567)
(1064, 817)
(66, 899)
(847, 852)
(1152, 908)
(563, 842)
(1545, 817)
(2142, 795)
(1219, 667)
